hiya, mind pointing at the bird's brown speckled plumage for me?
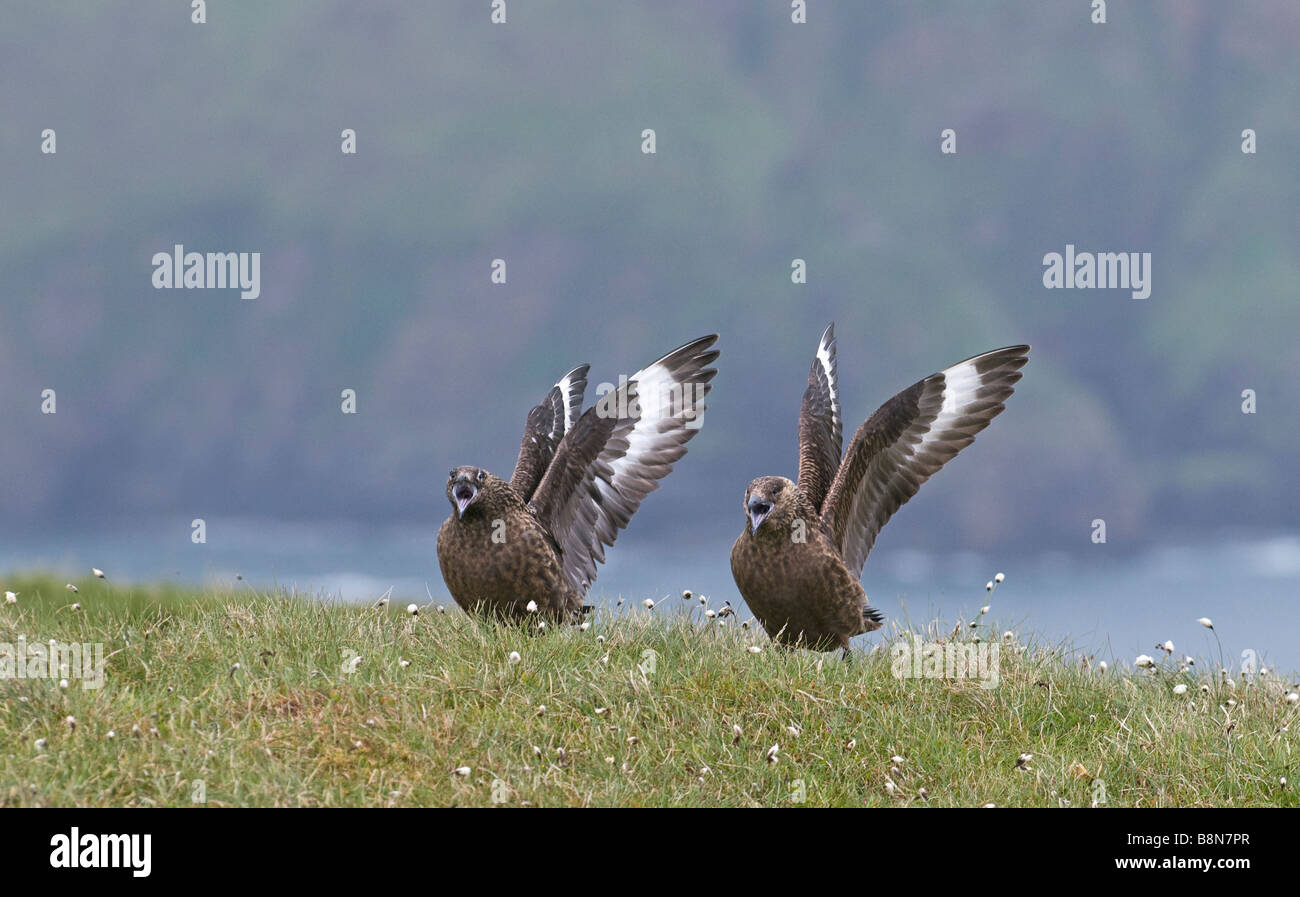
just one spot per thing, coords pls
(800, 591)
(498, 557)
(578, 481)
(798, 562)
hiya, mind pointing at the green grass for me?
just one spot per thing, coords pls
(575, 722)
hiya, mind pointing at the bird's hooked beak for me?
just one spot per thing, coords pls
(464, 492)
(758, 508)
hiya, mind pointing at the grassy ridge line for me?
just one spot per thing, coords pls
(574, 722)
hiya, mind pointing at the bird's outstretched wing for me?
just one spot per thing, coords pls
(908, 439)
(618, 451)
(821, 426)
(545, 427)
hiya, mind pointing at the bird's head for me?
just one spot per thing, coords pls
(466, 487)
(770, 500)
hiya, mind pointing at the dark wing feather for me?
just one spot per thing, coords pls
(908, 439)
(618, 451)
(821, 426)
(545, 427)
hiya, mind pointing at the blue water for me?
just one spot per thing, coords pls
(1097, 600)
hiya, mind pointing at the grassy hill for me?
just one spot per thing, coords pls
(234, 698)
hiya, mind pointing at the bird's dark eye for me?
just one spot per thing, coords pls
(451, 474)
(482, 475)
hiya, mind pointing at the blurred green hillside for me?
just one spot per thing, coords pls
(775, 142)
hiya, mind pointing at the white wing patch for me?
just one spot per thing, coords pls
(630, 440)
(572, 388)
(666, 406)
(827, 361)
(961, 385)
(927, 424)
(570, 408)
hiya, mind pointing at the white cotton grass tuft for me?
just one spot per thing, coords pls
(413, 609)
(988, 586)
(71, 588)
(1180, 689)
(774, 753)
(1293, 698)
(99, 574)
(1000, 578)
(686, 594)
(514, 658)
(531, 607)
(1167, 647)
(462, 771)
(1206, 622)
(11, 597)
(1103, 666)
(754, 649)
(648, 604)
(1144, 661)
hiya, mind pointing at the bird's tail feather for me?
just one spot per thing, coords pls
(872, 619)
